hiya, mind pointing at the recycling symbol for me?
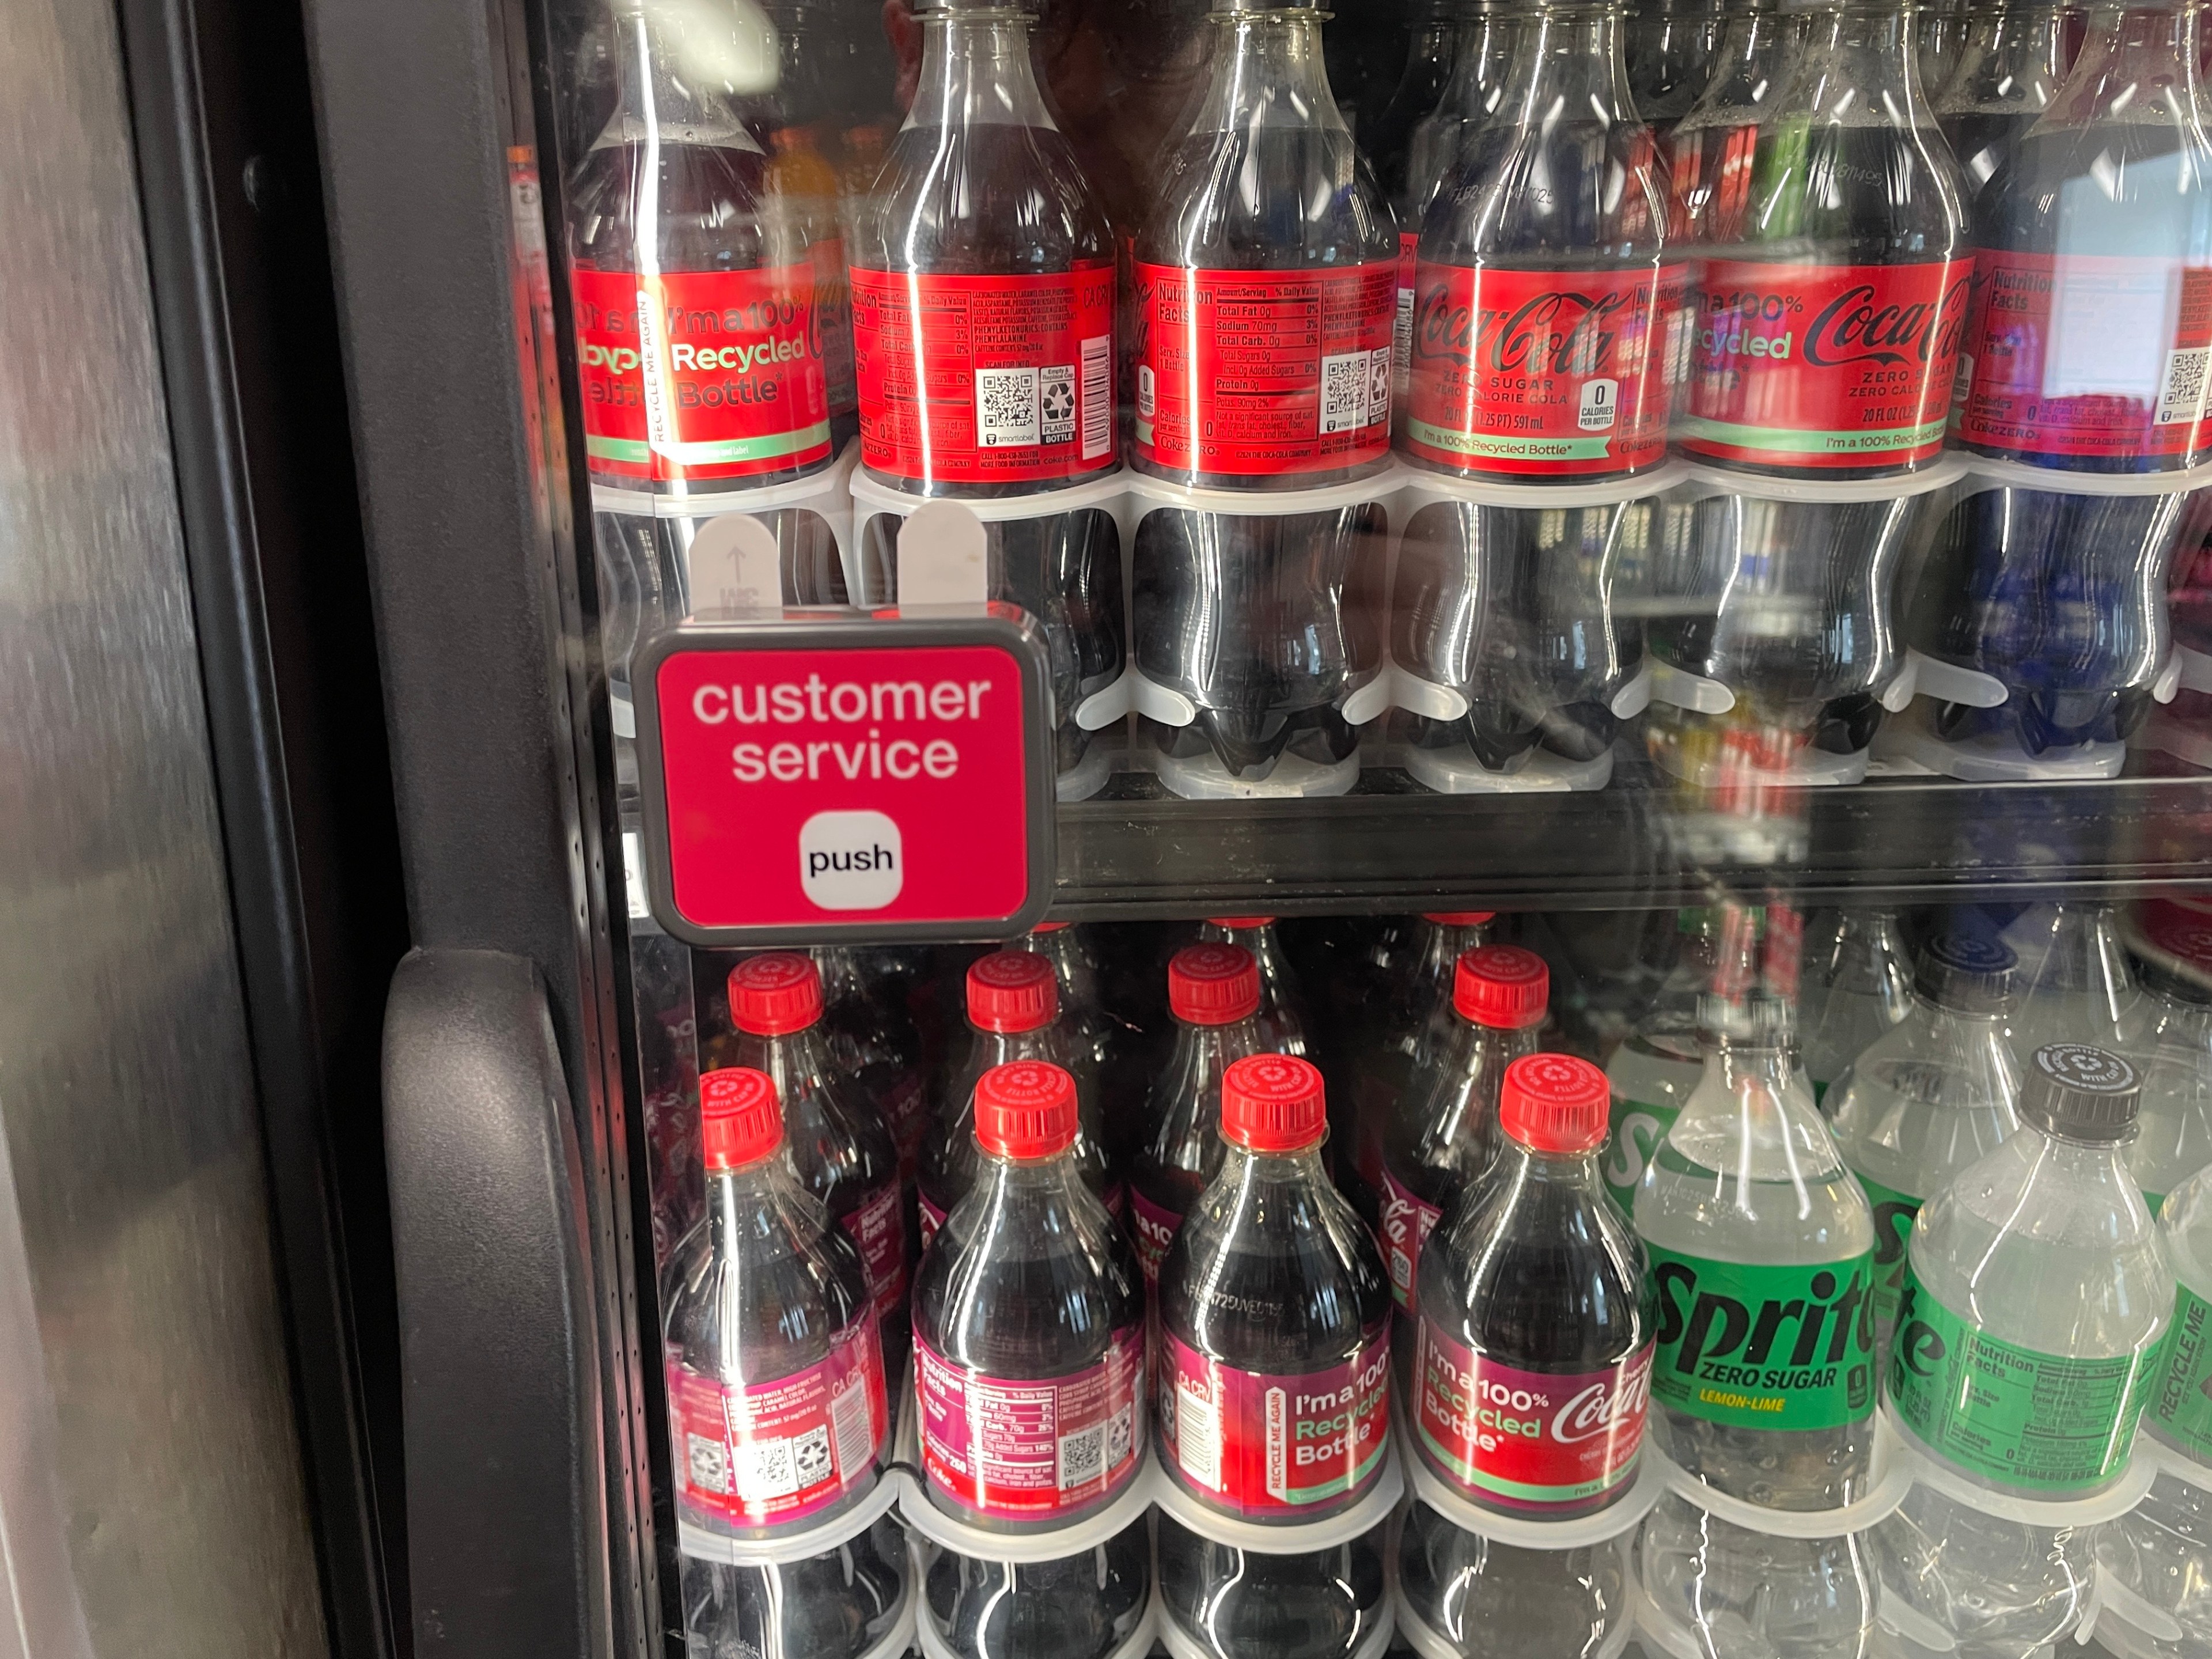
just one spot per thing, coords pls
(1059, 402)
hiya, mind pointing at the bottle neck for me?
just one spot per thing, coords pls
(976, 72)
(739, 1199)
(1267, 72)
(1749, 1069)
(1004, 1048)
(1861, 60)
(1748, 67)
(659, 101)
(1569, 67)
(1255, 1176)
(1478, 59)
(1029, 1183)
(797, 1061)
(1202, 1054)
(1520, 1167)
(2138, 65)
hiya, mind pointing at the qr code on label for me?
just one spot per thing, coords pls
(765, 1470)
(1082, 1457)
(2183, 392)
(1006, 408)
(710, 1464)
(1344, 391)
(1056, 403)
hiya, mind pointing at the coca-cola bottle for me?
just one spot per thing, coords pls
(1940, 42)
(776, 1402)
(840, 1146)
(1283, 1021)
(2011, 62)
(1827, 327)
(1445, 1133)
(1389, 138)
(1080, 1606)
(1274, 1400)
(1029, 1324)
(700, 342)
(873, 1040)
(1213, 992)
(982, 294)
(837, 1605)
(1711, 150)
(1671, 51)
(1014, 1014)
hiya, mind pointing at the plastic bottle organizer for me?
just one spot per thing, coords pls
(729, 555)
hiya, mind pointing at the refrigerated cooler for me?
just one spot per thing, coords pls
(1287, 836)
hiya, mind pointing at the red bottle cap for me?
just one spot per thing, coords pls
(1235, 922)
(1459, 918)
(776, 994)
(739, 1121)
(1501, 985)
(1213, 984)
(1025, 1110)
(1272, 1103)
(1555, 1103)
(2177, 933)
(1048, 926)
(1012, 991)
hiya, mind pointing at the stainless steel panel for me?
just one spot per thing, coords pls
(125, 1090)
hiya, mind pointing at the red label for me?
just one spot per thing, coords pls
(1817, 366)
(985, 380)
(878, 1233)
(863, 785)
(1527, 1441)
(1272, 1447)
(1545, 372)
(1154, 1227)
(2082, 355)
(701, 375)
(1261, 372)
(1407, 1221)
(933, 1219)
(756, 1453)
(1402, 329)
(1032, 1450)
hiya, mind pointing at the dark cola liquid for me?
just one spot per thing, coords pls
(1670, 51)
(1985, 140)
(1387, 139)
(1081, 1607)
(872, 1040)
(836, 1605)
(1514, 609)
(1317, 1605)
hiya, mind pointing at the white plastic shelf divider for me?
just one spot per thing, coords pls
(1617, 1520)
(804, 1545)
(1894, 1467)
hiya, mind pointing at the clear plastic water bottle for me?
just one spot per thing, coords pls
(2161, 1550)
(1928, 1097)
(2010, 64)
(839, 1145)
(1283, 1021)
(1853, 986)
(2171, 946)
(1761, 1243)
(1013, 1013)
(777, 1406)
(1493, 1601)
(1736, 1594)
(834, 1606)
(1029, 1319)
(1213, 992)
(2073, 984)
(1081, 1607)
(2037, 1275)
(1272, 1294)
(1653, 1073)
(1444, 1134)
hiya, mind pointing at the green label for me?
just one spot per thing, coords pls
(2041, 1422)
(1894, 1213)
(1637, 1131)
(2181, 1400)
(1754, 1347)
(2152, 1203)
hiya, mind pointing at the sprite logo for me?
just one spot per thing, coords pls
(1757, 1346)
(1637, 1131)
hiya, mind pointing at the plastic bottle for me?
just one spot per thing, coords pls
(2172, 949)
(2036, 1274)
(840, 1146)
(1013, 1013)
(873, 1040)
(1266, 283)
(1671, 51)
(1444, 1134)
(1081, 1607)
(1928, 1097)
(1388, 139)
(1284, 1020)
(675, 223)
(1213, 992)
(1028, 1316)
(1712, 149)
(1747, 1209)
(1093, 1035)
(1653, 1073)
(2011, 62)
(1273, 1292)
(1724, 1590)
(2085, 244)
(837, 1605)
(2073, 984)
(1493, 1601)
(2159, 1550)
(1855, 986)
(777, 1407)
(1939, 35)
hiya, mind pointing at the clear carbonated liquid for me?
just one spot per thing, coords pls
(1493, 1601)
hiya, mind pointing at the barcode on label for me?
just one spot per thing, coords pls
(849, 1422)
(1082, 1457)
(1344, 391)
(1402, 344)
(1006, 407)
(2183, 395)
(1098, 396)
(1198, 1437)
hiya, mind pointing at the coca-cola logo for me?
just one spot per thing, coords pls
(1859, 325)
(1558, 331)
(1606, 1405)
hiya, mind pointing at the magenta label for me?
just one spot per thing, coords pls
(1269, 1446)
(1528, 1440)
(1154, 1229)
(932, 1218)
(875, 1227)
(1408, 1218)
(755, 1454)
(1035, 1449)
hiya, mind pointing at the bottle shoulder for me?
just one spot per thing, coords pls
(988, 199)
